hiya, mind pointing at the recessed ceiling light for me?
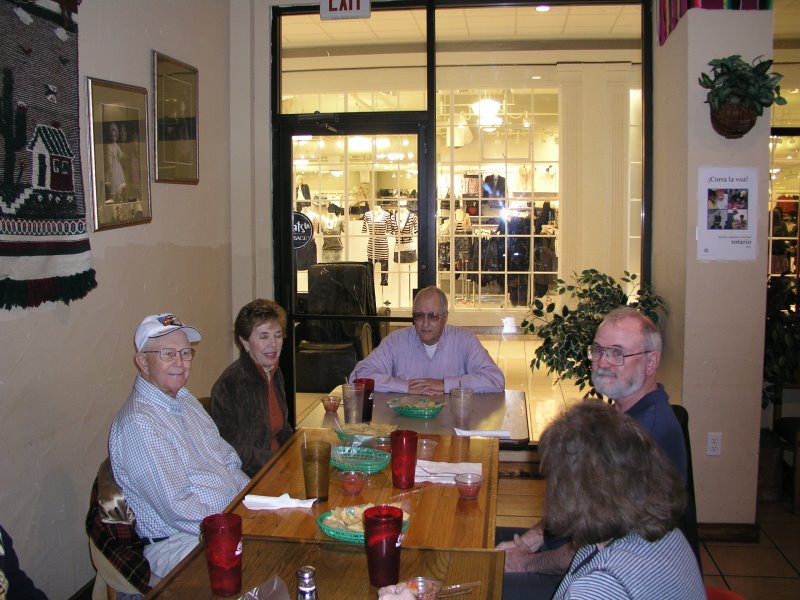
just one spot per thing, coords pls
(542, 8)
(536, 77)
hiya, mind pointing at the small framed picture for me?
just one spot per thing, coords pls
(175, 85)
(120, 163)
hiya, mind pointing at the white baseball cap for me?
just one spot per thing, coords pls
(158, 325)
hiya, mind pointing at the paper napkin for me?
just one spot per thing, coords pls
(442, 472)
(483, 432)
(254, 502)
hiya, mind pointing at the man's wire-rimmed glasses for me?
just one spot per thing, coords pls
(614, 356)
(169, 354)
(420, 317)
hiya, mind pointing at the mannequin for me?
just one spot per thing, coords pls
(376, 223)
(523, 188)
(494, 186)
(331, 227)
(518, 230)
(301, 190)
(403, 226)
(463, 241)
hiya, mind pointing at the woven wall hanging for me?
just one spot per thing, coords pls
(44, 244)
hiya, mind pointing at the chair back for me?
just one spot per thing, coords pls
(110, 525)
(722, 594)
(689, 521)
(340, 288)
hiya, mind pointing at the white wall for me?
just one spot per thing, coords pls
(715, 331)
(66, 370)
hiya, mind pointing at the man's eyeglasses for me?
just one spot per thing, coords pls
(169, 354)
(614, 356)
(420, 317)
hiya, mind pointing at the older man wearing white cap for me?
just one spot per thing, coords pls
(166, 452)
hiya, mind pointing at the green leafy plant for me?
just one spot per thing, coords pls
(735, 81)
(566, 335)
(781, 337)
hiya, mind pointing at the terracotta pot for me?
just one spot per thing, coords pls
(733, 120)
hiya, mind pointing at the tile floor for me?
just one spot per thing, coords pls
(767, 570)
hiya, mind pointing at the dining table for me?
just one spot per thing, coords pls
(501, 414)
(341, 569)
(439, 518)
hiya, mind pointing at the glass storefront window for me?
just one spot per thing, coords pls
(370, 65)
(360, 193)
(783, 204)
(539, 142)
(497, 195)
(784, 184)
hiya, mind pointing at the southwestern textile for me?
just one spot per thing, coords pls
(44, 243)
(671, 11)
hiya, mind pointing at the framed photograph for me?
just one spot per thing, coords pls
(120, 162)
(175, 85)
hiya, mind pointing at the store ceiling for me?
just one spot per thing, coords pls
(501, 24)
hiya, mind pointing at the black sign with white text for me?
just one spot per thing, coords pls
(302, 231)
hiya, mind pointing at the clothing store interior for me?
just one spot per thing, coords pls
(297, 201)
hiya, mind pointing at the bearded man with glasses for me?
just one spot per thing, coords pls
(625, 356)
(432, 357)
(166, 452)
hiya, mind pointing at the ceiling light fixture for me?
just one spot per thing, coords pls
(486, 109)
(542, 8)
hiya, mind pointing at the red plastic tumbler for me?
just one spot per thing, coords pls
(223, 537)
(369, 388)
(404, 458)
(383, 525)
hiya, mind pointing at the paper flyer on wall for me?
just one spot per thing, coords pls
(727, 213)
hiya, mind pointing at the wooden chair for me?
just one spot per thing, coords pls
(689, 521)
(108, 580)
(110, 526)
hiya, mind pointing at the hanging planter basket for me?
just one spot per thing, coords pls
(732, 121)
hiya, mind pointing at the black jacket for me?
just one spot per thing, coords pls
(240, 410)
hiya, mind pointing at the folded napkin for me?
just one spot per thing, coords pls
(254, 502)
(442, 472)
(484, 433)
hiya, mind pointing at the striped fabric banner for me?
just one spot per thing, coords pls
(671, 11)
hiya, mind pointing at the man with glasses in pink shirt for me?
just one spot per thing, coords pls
(432, 357)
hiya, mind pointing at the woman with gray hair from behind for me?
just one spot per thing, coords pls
(614, 493)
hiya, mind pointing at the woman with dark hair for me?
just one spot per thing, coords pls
(612, 490)
(248, 401)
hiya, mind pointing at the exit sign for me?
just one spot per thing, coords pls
(344, 9)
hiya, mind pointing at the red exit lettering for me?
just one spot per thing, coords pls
(344, 5)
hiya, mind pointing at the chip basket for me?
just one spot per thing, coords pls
(344, 535)
(416, 412)
(359, 458)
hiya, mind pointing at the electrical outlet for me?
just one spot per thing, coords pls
(714, 443)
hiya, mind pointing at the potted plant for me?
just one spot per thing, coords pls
(566, 335)
(738, 92)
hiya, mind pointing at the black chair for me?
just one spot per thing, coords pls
(329, 349)
(688, 523)
(789, 429)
